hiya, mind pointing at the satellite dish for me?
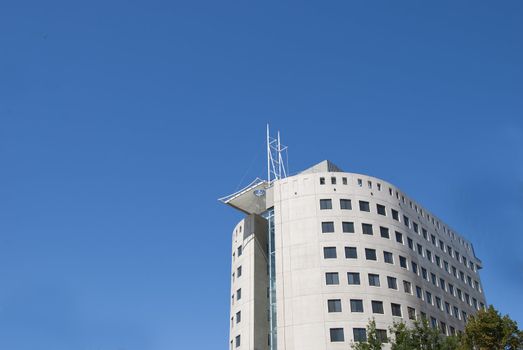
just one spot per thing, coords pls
(259, 193)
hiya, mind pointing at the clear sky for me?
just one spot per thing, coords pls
(122, 122)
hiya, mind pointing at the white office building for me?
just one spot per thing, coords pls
(320, 253)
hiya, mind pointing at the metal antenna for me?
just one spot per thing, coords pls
(276, 152)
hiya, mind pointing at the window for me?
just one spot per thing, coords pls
(451, 289)
(329, 252)
(367, 229)
(420, 249)
(410, 243)
(369, 183)
(428, 254)
(415, 227)
(337, 335)
(438, 260)
(333, 180)
(237, 341)
(392, 282)
(238, 317)
(396, 309)
(428, 297)
(381, 334)
(325, 204)
(424, 273)
(406, 221)
(239, 271)
(351, 253)
(414, 267)
(403, 262)
(332, 278)
(399, 237)
(344, 180)
(419, 292)
(412, 313)
(381, 209)
(239, 294)
(322, 181)
(387, 257)
(240, 251)
(360, 334)
(447, 307)
(356, 305)
(334, 305)
(433, 278)
(384, 232)
(370, 254)
(377, 306)
(347, 227)
(395, 215)
(353, 277)
(364, 206)
(374, 280)
(360, 182)
(407, 287)
(345, 204)
(327, 227)
(438, 302)
(442, 283)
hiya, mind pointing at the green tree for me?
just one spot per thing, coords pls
(374, 341)
(488, 330)
(420, 336)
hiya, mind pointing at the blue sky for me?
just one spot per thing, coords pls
(122, 122)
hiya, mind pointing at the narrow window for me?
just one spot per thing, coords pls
(238, 317)
(407, 287)
(237, 341)
(240, 251)
(403, 262)
(387, 257)
(399, 237)
(333, 180)
(239, 294)
(406, 221)
(360, 182)
(239, 271)
(322, 181)
(344, 180)
(384, 232)
(412, 313)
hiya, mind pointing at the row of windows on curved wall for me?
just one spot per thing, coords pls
(368, 229)
(364, 206)
(419, 210)
(351, 252)
(374, 280)
(360, 334)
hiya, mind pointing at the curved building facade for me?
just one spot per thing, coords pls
(322, 252)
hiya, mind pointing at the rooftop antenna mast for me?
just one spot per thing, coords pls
(277, 158)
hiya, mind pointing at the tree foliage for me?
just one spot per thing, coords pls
(373, 340)
(489, 330)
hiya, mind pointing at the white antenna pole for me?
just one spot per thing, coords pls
(268, 157)
(279, 156)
